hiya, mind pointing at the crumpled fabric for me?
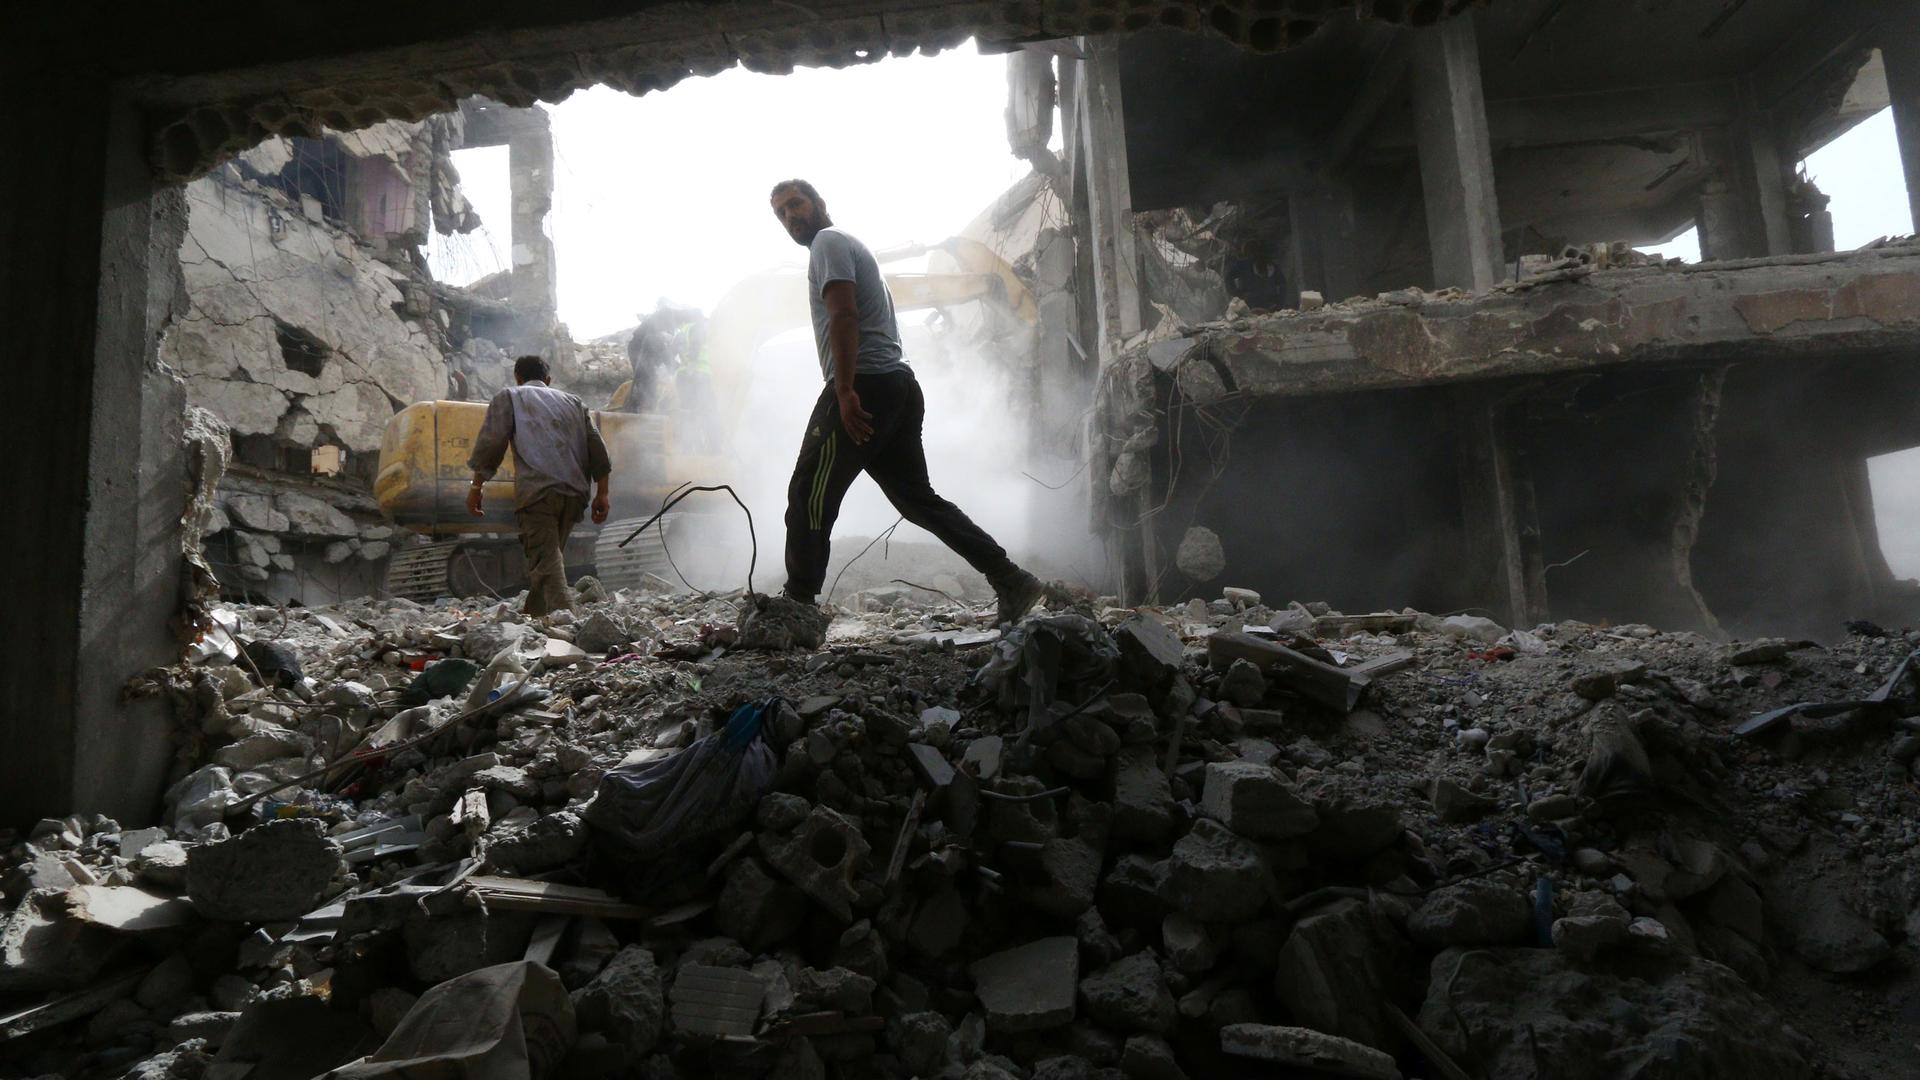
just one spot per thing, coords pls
(649, 810)
(1038, 658)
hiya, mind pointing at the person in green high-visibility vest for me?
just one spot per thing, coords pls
(693, 385)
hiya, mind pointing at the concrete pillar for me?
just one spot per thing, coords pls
(94, 567)
(1900, 49)
(1099, 168)
(1763, 169)
(1723, 223)
(1116, 256)
(530, 170)
(1501, 546)
(1031, 97)
(1456, 157)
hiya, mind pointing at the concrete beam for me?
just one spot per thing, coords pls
(490, 123)
(1456, 158)
(1594, 117)
(1810, 306)
(1900, 47)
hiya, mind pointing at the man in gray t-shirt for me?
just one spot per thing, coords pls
(834, 255)
(869, 416)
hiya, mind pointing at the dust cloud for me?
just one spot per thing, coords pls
(978, 449)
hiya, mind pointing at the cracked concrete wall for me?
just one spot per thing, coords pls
(254, 266)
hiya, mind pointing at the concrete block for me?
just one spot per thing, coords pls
(1029, 988)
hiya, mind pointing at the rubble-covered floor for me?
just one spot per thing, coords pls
(1082, 849)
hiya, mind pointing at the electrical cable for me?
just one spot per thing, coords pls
(843, 570)
(674, 498)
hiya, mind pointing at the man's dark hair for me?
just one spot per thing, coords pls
(801, 186)
(529, 368)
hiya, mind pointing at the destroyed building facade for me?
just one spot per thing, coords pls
(1445, 379)
(309, 316)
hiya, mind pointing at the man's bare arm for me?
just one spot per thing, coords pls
(490, 447)
(599, 467)
(843, 337)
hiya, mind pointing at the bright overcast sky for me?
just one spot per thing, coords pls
(1861, 172)
(666, 194)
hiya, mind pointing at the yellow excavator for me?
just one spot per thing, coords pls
(422, 478)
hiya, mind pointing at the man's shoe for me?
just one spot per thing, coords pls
(1017, 596)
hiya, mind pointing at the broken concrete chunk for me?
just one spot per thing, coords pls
(599, 632)
(930, 765)
(1354, 832)
(1472, 628)
(1455, 804)
(1132, 891)
(1029, 988)
(1533, 1012)
(833, 989)
(1763, 651)
(1200, 555)
(166, 986)
(1190, 949)
(1149, 650)
(822, 856)
(1829, 934)
(1130, 995)
(1254, 801)
(44, 948)
(1472, 913)
(559, 653)
(267, 743)
(1142, 798)
(1336, 968)
(273, 872)
(776, 624)
(1069, 873)
(1304, 1048)
(163, 864)
(1149, 1057)
(551, 841)
(209, 1025)
(756, 909)
(126, 909)
(256, 512)
(625, 1002)
(983, 755)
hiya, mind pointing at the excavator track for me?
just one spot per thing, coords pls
(627, 567)
(470, 567)
(420, 573)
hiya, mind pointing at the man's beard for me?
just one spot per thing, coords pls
(809, 229)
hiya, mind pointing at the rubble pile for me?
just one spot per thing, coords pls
(1213, 839)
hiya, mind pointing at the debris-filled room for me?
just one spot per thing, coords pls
(1389, 544)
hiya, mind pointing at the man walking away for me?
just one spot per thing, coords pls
(868, 417)
(556, 449)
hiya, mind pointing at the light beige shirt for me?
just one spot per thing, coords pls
(556, 445)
